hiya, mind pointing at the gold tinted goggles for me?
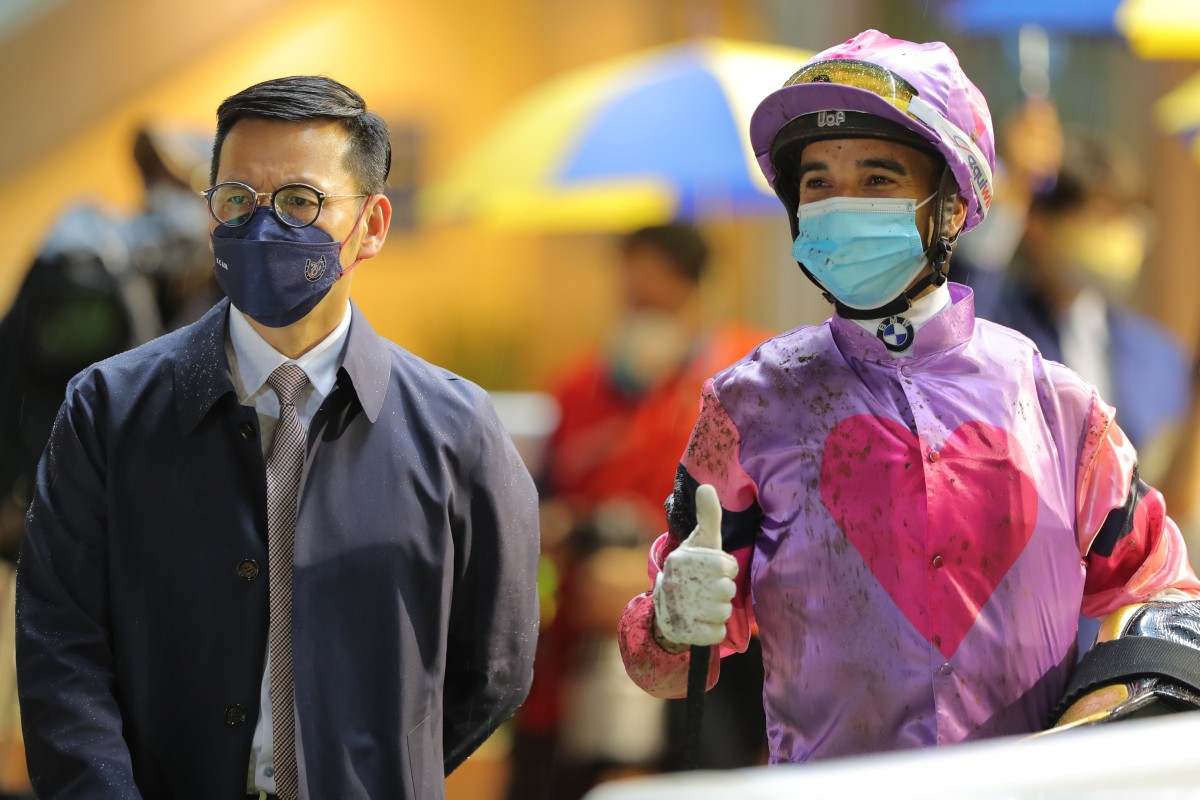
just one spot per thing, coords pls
(859, 75)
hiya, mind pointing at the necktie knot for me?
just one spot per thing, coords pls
(287, 380)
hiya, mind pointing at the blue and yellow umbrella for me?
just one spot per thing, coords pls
(1154, 29)
(643, 139)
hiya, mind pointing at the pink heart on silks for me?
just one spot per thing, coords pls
(940, 548)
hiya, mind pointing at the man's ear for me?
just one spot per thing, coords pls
(959, 218)
(378, 221)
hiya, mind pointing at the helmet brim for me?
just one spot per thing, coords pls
(783, 105)
(806, 129)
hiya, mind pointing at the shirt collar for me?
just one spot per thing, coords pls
(946, 327)
(923, 309)
(1088, 314)
(202, 374)
(252, 360)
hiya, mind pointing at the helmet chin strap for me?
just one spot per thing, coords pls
(902, 303)
(937, 256)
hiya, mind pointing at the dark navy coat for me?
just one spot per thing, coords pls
(142, 583)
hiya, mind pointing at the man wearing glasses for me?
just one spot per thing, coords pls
(273, 554)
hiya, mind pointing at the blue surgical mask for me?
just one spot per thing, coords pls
(274, 273)
(864, 251)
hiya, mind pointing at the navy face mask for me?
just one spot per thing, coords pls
(274, 273)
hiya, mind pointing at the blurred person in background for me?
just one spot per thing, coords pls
(1029, 155)
(911, 503)
(626, 412)
(1068, 288)
(169, 239)
(271, 553)
(101, 283)
(1059, 260)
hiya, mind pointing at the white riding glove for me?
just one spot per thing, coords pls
(693, 592)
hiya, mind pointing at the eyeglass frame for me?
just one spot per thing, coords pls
(207, 194)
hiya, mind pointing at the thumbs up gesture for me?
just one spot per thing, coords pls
(693, 592)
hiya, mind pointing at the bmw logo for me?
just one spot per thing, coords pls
(896, 333)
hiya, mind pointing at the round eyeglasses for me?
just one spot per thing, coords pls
(297, 204)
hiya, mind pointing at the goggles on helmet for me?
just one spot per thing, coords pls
(899, 93)
(860, 75)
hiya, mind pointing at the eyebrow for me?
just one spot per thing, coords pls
(890, 164)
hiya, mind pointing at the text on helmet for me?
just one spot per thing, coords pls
(830, 119)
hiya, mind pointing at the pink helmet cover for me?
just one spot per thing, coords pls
(942, 87)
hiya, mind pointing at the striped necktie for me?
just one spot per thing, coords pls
(284, 466)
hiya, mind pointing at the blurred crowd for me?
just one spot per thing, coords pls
(627, 411)
(1058, 260)
(101, 283)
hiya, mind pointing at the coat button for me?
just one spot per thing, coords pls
(934, 456)
(945, 669)
(906, 371)
(235, 715)
(246, 431)
(937, 562)
(247, 569)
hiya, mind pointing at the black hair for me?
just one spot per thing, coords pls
(1094, 165)
(681, 243)
(301, 98)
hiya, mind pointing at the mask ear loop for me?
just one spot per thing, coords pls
(350, 234)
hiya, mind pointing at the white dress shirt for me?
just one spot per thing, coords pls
(251, 362)
(1083, 336)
